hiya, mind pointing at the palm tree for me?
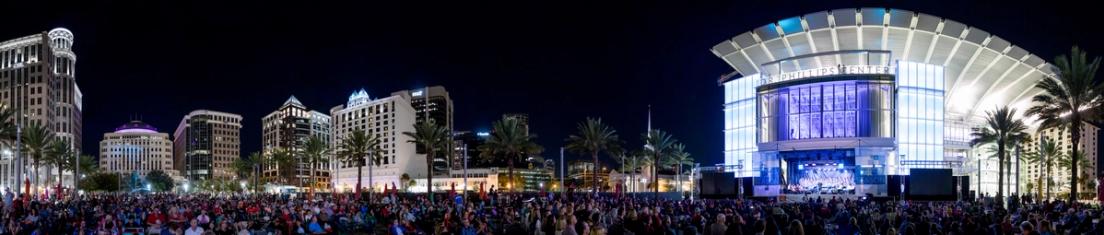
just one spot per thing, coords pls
(355, 148)
(247, 167)
(1069, 99)
(60, 155)
(631, 163)
(432, 137)
(593, 137)
(284, 163)
(1003, 130)
(7, 126)
(657, 144)
(509, 139)
(316, 152)
(1078, 159)
(1045, 156)
(36, 140)
(678, 158)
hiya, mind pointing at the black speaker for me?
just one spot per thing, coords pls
(718, 185)
(748, 186)
(964, 188)
(893, 185)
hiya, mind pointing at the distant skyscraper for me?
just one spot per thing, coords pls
(471, 141)
(38, 80)
(432, 103)
(205, 143)
(136, 147)
(385, 118)
(288, 128)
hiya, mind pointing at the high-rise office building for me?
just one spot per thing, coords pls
(1059, 175)
(136, 147)
(432, 103)
(385, 118)
(205, 143)
(288, 128)
(468, 142)
(38, 81)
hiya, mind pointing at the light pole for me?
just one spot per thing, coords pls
(563, 187)
(465, 188)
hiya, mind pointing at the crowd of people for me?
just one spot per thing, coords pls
(516, 213)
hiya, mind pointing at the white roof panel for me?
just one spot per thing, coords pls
(973, 59)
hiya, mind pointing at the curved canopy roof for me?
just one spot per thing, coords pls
(982, 70)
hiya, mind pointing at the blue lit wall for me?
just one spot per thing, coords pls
(838, 109)
(920, 118)
(739, 126)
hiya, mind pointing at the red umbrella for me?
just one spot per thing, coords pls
(482, 195)
(358, 190)
(452, 193)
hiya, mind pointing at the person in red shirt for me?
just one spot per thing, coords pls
(155, 216)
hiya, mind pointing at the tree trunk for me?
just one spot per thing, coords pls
(510, 174)
(1049, 181)
(1000, 173)
(314, 181)
(678, 178)
(429, 177)
(594, 155)
(655, 177)
(37, 179)
(1075, 138)
(58, 192)
(370, 178)
(360, 170)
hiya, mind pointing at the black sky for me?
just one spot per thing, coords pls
(558, 62)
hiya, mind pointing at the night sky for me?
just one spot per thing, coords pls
(560, 63)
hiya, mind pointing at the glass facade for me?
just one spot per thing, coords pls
(920, 120)
(739, 111)
(839, 109)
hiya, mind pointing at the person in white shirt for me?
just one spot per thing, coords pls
(194, 229)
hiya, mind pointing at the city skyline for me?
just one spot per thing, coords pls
(681, 89)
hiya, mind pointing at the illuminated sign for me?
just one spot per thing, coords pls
(417, 93)
(825, 71)
(483, 134)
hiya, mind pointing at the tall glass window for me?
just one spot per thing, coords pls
(739, 130)
(839, 109)
(920, 88)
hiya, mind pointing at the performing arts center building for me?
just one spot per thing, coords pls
(845, 100)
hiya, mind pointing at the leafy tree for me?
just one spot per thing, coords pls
(432, 137)
(101, 182)
(1070, 99)
(593, 137)
(1004, 131)
(160, 181)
